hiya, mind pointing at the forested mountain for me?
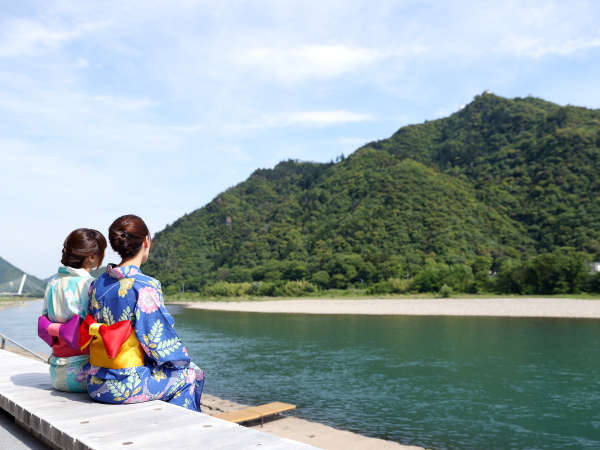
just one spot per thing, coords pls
(497, 183)
(10, 279)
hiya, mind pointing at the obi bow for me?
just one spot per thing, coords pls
(68, 331)
(113, 336)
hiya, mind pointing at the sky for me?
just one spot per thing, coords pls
(155, 107)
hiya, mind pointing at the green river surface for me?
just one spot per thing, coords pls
(436, 382)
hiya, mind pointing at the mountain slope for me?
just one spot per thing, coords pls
(534, 159)
(499, 179)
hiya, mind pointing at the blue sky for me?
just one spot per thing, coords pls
(154, 107)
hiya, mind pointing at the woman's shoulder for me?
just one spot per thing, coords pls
(131, 276)
(70, 279)
(126, 280)
(72, 272)
(141, 279)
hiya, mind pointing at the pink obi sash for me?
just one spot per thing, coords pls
(62, 337)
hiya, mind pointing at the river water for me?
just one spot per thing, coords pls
(437, 382)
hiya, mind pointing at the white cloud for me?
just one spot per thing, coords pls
(82, 63)
(126, 104)
(278, 120)
(306, 62)
(21, 37)
(334, 117)
(536, 47)
(191, 129)
(515, 28)
(302, 118)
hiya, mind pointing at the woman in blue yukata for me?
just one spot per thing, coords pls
(135, 353)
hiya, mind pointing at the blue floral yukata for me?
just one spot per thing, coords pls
(125, 293)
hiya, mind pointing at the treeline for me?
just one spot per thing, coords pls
(564, 271)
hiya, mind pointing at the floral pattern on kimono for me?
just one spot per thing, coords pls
(125, 293)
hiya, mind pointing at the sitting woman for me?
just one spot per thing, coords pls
(65, 304)
(135, 353)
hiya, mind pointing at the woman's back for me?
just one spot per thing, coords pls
(125, 293)
(115, 293)
(67, 294)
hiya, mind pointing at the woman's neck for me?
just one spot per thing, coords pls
(135, 261)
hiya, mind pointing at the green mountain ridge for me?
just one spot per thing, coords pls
(501, 179)
(530, 157)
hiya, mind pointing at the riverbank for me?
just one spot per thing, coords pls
(6, 302)
(301, 430)
(494, 307)
(9, 302)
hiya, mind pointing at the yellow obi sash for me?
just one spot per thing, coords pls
(111, 346)
(130, 354)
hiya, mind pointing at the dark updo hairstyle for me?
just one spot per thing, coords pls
(127, 234)
(81, 243)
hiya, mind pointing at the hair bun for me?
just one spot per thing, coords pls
(81, 243)
(127, 234)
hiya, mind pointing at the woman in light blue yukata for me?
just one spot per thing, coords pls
(135, 353)
(66, 303)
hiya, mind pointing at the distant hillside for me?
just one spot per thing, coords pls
(10, 279)
(500, 180)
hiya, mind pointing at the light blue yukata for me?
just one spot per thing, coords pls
(125, 293)
(66, 295)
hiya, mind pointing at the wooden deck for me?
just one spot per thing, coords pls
(72, 421)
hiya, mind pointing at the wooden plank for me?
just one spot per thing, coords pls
(274, 408)
(242, 415)
(73, 421)
(256, 412)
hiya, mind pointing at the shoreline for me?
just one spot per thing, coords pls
(475, 307)
(9, 303)
(302, 430)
